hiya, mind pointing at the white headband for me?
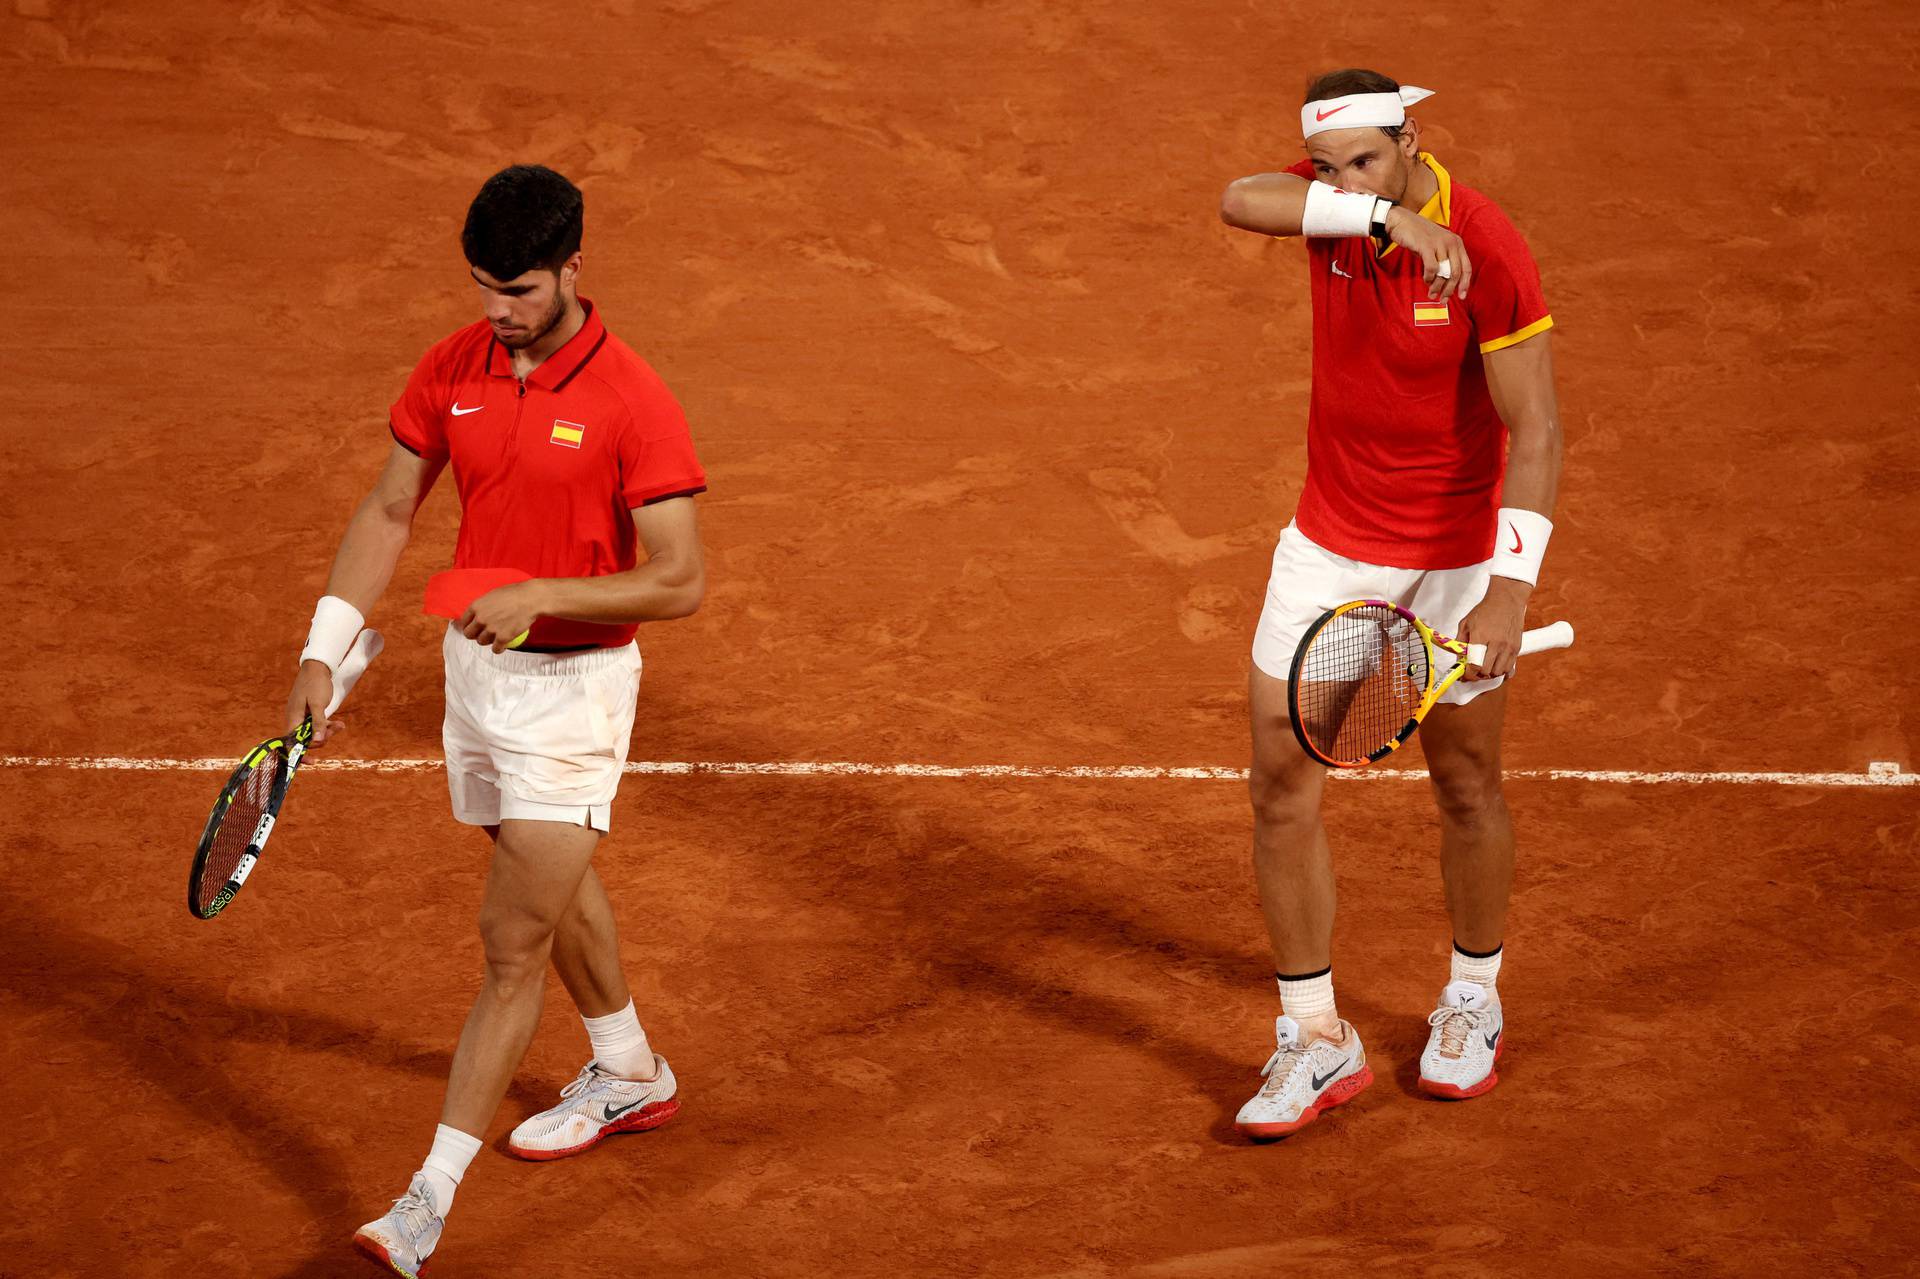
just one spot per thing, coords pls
(1360, 110)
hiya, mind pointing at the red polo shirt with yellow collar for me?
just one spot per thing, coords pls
(549, 469)
(1405, 451)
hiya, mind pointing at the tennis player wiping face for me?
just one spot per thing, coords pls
(1433, 426)
(571, 458)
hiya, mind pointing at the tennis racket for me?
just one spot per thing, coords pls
(1364, 677)
(250, 801)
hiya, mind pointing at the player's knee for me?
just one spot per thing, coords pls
(1285, 794)
(1469, 796)
(516, 947)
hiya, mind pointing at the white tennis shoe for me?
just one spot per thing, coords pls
(595, 1105)
(1468, 1036)
(404, 1238)
(1303, 1080)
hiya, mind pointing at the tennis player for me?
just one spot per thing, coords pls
(1433, 447)
(570, 456)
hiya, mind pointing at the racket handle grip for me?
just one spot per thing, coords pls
(1541, 639)
(365, 648)
(1538, 640)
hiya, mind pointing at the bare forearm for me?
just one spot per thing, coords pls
(1269, 203)
(656, 591)
(369, 552)
(1533, 469)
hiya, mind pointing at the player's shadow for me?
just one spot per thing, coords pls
(979, 916)
(171, 1029)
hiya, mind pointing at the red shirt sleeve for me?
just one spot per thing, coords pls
(1504, 300)
(1301, 169)
(418, 418)
(657, 460)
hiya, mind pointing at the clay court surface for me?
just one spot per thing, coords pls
(1001, 425)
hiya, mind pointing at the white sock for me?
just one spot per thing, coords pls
(1484, 969)
(620, 1045)
(447, 1163)
(1308, 997)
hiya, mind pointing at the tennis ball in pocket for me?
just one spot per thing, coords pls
(521, 638)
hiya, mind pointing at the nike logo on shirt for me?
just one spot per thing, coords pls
(1342, 274)
(460, 412)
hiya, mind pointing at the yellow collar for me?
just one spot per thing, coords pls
(1439, 208)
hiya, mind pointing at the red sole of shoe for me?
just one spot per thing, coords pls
(641, 1120)
(1453, 1092)
(1337, 1095)
(374, 1251)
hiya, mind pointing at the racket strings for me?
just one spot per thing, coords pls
(231, 838)
(1360, 681)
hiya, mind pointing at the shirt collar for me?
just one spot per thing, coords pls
(1439, 206)
(560, 368)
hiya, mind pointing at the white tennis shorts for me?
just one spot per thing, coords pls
(1308, 579)
(537, 736)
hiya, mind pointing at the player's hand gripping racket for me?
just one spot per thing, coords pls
(1363, 679)
(250, 801)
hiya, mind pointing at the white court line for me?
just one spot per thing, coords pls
(1877, 774)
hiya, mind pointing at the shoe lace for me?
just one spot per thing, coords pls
(415, 1211)
(1455, 1025)
(588, 1076)
(1294, 1054)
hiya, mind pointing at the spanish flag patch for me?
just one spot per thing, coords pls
(1427, 313)
(567, 433)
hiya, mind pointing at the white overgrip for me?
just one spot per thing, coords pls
(365, 648)
(1541, 639)
(1538, 640)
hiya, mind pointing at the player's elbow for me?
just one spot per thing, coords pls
(1236, 204)
(690, 590)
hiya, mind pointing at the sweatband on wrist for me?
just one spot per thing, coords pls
(335, 624)
(1331, 211)
(1520, 543)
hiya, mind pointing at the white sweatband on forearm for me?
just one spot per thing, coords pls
(1520, 543)
(1331, 211)
(335, 623)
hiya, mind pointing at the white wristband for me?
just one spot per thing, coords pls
(1520, 543)
(335, 624)
(1331, 211)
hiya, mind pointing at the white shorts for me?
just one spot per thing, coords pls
(537, 736)
(1308, 579)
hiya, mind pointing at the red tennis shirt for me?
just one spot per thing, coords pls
(1405, 452)
(549, 469)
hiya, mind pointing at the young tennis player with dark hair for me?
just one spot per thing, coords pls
(570, 457)
(1430, 357)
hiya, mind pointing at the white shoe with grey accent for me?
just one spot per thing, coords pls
(596, 1105)
(404, 1238)
(1468, 1036)
(1303, 1080)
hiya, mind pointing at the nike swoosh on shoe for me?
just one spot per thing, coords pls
(608, 1114)
(1321, 1081)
